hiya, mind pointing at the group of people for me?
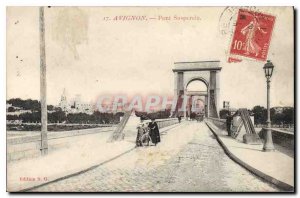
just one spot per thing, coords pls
(147, 133)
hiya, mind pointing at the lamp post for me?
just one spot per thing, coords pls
(268, 145)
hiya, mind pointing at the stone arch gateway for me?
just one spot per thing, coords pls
(204, 71)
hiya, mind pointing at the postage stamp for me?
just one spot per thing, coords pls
(252, 35)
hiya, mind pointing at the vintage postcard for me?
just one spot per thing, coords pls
(150, 99)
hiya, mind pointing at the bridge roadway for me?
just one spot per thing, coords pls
(188, 159)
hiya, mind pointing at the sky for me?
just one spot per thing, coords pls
(90, 56)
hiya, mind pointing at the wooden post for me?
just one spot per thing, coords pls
(43, 84)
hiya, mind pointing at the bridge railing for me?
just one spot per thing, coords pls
(283, 138)
(220, 123)
(164, 122)
(23, 146)
(60, 124)
(280, 137)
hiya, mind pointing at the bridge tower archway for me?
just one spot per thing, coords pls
(197, 90)
(206, 72)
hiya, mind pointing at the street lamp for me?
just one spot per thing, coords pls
(268, 145)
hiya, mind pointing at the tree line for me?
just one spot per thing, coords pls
(62, 117)
(56, 115)
(33, 105)
(260, 115)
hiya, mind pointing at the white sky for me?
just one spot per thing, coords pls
(89, 56)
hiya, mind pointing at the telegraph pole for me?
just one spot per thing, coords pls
(43, 84)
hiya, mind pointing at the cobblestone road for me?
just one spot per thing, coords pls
(198, 165)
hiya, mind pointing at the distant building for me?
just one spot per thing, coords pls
(16, 110)
(63, 104)
(280, 109)
(7, 106)
(75, 106)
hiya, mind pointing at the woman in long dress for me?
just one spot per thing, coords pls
(154, 132)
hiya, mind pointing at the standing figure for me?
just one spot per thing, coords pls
(143, 136)
(140, 133)
(228, 123)
(249, 31)
(154, 132)
(179, 119)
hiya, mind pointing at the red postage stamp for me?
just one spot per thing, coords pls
(252, 35)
